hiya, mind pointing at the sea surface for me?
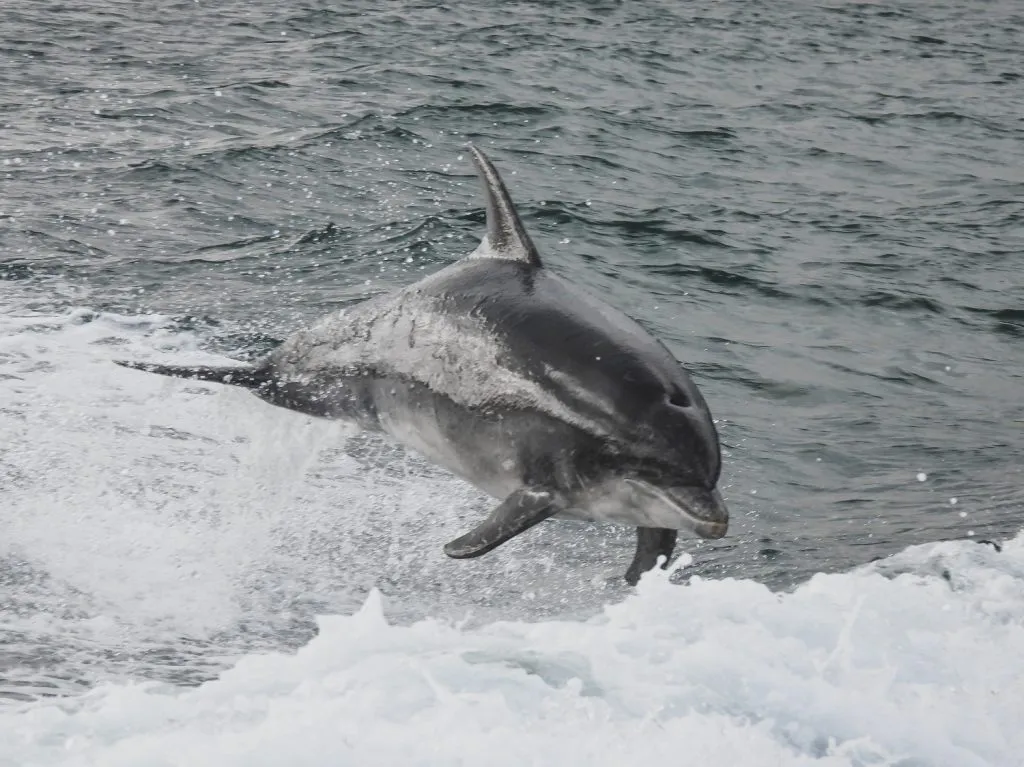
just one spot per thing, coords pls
(818, 206)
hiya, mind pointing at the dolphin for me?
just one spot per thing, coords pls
(518, 381)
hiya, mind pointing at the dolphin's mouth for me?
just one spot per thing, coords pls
(705, 509)
(693, 508)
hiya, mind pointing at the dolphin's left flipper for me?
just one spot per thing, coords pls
(651, 543)
(516, 514)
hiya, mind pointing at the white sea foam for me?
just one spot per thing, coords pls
(863, 668)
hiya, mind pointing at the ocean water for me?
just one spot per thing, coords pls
(818, 206)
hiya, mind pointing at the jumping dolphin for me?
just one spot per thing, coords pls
(518, 381)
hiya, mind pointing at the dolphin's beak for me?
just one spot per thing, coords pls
(704, 510)
(685, 508)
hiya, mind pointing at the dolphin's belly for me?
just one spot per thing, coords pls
(456, 437)
(470, 444)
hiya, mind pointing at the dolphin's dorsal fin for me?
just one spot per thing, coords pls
(506, 236)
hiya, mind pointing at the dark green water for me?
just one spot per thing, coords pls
(818, 206)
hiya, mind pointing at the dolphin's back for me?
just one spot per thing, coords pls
(484, 330)
(551, 326)
(596, 361)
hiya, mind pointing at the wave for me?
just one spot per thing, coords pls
(913, 660)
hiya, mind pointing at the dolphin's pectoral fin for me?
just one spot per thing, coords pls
(516, 514)
(651, 543)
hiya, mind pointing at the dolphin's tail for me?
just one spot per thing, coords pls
(238, 375)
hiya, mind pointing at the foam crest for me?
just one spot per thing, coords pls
(870, 667)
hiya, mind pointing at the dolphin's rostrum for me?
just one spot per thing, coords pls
(518, 381)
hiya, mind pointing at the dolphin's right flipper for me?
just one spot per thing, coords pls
(651, 543)
(516, 514)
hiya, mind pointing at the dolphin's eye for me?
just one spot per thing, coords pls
(679, 399)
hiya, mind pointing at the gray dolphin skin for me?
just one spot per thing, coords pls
(518, 381)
